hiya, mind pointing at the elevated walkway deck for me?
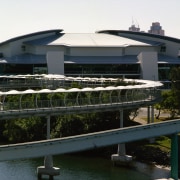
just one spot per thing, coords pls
(87, 141)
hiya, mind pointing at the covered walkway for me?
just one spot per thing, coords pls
(16, 103)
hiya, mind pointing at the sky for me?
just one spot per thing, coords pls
(20, 17)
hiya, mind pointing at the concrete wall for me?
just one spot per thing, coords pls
(41, 50)
(15, 47)
(149, 66)
(96, 51)
(135, 50)
(55, 62)
(172, 47)
(5, 49)
(30, 49)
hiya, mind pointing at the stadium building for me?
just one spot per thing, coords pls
(112, 53)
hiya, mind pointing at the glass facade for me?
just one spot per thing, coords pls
(164, 71)
(125, 70)
(102, 69)
(22, 69)
(74, 69)
(164, 74)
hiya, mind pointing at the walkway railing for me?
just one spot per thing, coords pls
(71, 102)
(11, 110)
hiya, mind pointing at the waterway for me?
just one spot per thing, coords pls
(80, 168)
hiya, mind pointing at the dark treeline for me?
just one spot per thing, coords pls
(34, 128)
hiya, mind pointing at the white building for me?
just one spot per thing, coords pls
(113, 53)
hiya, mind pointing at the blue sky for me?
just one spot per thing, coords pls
(19, 17)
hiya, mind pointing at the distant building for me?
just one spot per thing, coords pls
(134, 28)
(156, 29)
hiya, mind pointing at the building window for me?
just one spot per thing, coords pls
(1, 55)
(179, 53)
(23, 47)
(163, 49)
(123, 51)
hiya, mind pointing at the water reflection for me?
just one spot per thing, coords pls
(79, 168)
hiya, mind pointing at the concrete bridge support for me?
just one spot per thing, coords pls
(121, 158)
(48, 168)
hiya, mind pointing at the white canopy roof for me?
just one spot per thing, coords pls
(142, 84)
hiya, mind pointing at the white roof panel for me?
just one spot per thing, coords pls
(94, 39)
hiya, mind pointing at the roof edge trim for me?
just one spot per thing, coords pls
(31, 34)
(115, 32)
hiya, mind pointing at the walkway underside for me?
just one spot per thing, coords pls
(87, 141)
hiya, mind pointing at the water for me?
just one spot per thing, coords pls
(79, 168)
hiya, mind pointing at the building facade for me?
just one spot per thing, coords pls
(108, 53)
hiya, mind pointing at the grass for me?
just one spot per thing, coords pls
(162, 142)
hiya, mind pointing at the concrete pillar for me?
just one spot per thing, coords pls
(121, 158)
(152, 114)
(152, 140)
(55, 62)
(48, 127)
(174, 156)
(48, 168)
(121, 118)
(121, 147)
(149, 66)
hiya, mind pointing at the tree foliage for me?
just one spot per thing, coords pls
(175, 79)
(171, 98)
(23, 130)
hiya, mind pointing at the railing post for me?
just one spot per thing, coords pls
(174, 156)
(148, 114)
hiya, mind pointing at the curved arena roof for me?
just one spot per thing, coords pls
(89, 39)
(31, 35)
(99, 39)
(117, 32)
